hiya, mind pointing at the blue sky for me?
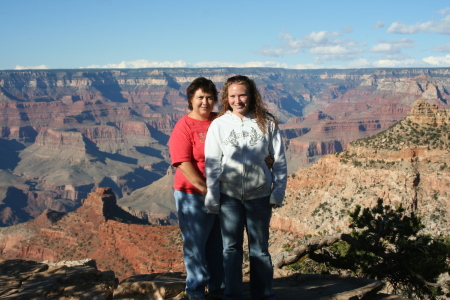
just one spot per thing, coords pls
(70, 34)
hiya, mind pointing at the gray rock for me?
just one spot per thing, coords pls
(152, 286)
(20, 279)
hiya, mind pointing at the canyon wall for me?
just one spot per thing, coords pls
(65, 133)
(406, 165)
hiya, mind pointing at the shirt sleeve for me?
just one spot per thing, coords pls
(180, 144)
(279, 168)
(213, 169)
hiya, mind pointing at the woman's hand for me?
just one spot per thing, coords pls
(193, 176)
(269, 161)
(204, 191)
(274, 205)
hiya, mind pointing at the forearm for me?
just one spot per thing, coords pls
(193, 176)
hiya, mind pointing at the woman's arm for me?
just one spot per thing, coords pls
(213, 166)
(279, 168)
(181, 153)
(193, 176)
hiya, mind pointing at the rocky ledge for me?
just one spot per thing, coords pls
(21, 279)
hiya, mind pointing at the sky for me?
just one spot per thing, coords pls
(292, 34)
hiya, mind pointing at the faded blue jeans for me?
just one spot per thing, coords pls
(202, 244)
(255, 215)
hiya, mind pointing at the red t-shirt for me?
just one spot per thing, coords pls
(187, 143)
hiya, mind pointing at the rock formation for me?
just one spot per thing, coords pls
(98, 230)
(406, 165)
(154, 203)
(21, 279)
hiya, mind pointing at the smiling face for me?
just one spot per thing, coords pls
(202, 105)
(239, 100)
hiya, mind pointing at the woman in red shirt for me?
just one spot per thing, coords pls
(200, 230)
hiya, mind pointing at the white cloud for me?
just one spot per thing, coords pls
(398, 27)
(441, 27)
(291, 45)
(320, 37)
(306, 66)
(383, 47)
(325, 45)
(269, 64)
(392, 47)
(142, 63)
(359, 63)
(327, 50)
(251, 64)
(442, 48)
(441, 61)
(333, 54)
(326, 54)
(254, 64)
(392, 63)
(347, 29)
(378, 24)
(41, 67)
(383, 63)
(337, 52)
(444, 11)
(267, 51)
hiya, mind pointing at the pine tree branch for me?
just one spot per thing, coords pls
(317, 242)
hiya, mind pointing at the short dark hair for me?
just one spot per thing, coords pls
(206, 85)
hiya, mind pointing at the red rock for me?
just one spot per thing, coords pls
(97, 231)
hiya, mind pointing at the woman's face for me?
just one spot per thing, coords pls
(239, 100)
(202, 105)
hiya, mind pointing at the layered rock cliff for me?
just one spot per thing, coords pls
(406, 165)
(154, 203)
(67, 132)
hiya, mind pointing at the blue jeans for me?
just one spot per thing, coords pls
(255, 215)
(202, 244)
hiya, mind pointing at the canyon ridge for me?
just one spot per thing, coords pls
(66, 133)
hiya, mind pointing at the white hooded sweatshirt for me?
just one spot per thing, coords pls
(235, 149)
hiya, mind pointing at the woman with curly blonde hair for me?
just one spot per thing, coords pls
(241, 187)
(261, 114)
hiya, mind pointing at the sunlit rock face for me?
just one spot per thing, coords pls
(99, 230)
(406, 165)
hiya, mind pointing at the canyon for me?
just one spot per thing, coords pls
(406, 165)
(65, 133)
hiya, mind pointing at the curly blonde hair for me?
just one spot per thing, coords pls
(256, 105)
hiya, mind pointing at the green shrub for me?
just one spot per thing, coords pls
(388, 247)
